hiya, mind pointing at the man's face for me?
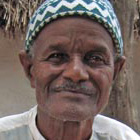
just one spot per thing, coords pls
(72, 69)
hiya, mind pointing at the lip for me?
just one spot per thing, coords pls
(72, 91)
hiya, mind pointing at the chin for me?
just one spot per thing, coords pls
(70, 112)
(70, 116)
(69, 107)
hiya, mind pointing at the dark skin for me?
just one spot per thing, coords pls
(72, 70)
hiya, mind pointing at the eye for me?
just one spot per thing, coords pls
(57, 58)
(94, 59)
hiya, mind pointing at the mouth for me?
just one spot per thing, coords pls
(83, 91)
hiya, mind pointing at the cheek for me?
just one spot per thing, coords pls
(45, 74)
(107, 77)
(103, 79)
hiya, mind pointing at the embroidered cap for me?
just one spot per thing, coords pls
(100, 11)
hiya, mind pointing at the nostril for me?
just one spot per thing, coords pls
(76, 75)
(68, 79)
(82, 81)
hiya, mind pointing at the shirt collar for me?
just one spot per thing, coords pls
(32, 124)
(35, 132)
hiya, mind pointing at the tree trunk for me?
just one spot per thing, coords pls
(121, 105)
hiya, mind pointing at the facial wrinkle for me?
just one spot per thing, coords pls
(77, 43)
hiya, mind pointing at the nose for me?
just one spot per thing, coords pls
(76, 71)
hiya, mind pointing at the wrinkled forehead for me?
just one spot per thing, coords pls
(76, 34)
(100, 11)
(73, 27)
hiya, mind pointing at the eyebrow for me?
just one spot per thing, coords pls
(100, 49)
(103, 50)
(56, 47)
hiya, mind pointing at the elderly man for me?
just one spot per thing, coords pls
(73, 52)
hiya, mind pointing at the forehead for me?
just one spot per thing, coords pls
(65, 30)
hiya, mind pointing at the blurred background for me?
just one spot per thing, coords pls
(16, 96)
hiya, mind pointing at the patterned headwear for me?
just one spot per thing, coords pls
(100, 11)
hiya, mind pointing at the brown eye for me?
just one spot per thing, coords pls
(94, 59)
(57, 58)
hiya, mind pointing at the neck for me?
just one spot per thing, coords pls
(53, 129)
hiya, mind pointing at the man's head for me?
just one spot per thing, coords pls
(71, 61)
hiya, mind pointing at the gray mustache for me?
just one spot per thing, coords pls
(75, 88)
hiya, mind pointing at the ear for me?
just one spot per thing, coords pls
(118, 66)
(27, 64)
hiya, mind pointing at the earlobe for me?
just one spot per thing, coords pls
(27, 64)
(118, 65)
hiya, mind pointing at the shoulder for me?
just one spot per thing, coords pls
(113, 128)
(16, 121)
